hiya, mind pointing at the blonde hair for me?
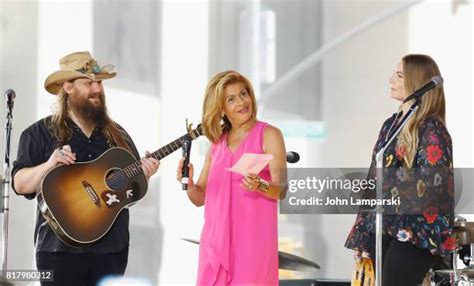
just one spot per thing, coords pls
(418, 70)
(61, 131)
(214, 103)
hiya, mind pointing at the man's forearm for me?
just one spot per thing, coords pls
(28, 180)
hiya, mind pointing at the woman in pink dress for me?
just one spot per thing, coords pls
(239, 239)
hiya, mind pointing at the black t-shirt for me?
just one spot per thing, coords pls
(35, 147)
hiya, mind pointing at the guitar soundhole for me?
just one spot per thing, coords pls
(117, 180)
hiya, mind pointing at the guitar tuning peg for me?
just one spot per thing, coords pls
(189, 126)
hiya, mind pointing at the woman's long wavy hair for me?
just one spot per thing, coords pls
(417, 71)
(61, 131)
(214, 103)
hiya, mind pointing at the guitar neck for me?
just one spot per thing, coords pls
(135, 168)
(170, 148)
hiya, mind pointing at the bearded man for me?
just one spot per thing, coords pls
(79, 130)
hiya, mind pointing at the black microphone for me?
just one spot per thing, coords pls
(292, 157)
(435, 81)
(10, 97)
(185, 172)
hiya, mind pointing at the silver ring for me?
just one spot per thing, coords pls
(61, 152)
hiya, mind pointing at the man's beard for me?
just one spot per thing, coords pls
(94, 113)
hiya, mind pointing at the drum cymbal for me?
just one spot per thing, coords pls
(286, 261)
(195, 241)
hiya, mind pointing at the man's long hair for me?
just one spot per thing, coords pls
(62, 132)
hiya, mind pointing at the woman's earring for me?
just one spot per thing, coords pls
(222, 122)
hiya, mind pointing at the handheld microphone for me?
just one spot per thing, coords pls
(292, 157)
(10, 97)
(185, 172)
(435, 81)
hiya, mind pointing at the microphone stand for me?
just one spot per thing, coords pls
(379, 175)
(5, 189)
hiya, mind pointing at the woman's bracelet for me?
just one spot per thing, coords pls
(263, 186)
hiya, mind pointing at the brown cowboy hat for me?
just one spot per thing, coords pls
(77, 65)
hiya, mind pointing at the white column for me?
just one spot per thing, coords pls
(184, 77)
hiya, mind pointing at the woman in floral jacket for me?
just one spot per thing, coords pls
(418, 169)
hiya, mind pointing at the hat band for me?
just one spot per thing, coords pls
(94, 70)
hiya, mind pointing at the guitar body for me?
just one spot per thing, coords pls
(82, 201)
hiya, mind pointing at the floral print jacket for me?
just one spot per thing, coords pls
(425, 215)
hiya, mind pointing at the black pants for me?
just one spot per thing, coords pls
(403, 264)
(81, 269)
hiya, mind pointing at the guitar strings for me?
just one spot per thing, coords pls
(130, 169)
(117, 176)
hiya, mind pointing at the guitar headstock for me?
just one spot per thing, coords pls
(194, 133)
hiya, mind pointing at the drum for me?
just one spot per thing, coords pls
(464, 232)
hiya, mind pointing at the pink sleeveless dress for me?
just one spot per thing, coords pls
(239, 240)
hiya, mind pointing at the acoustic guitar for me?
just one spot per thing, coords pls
(81, 201)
